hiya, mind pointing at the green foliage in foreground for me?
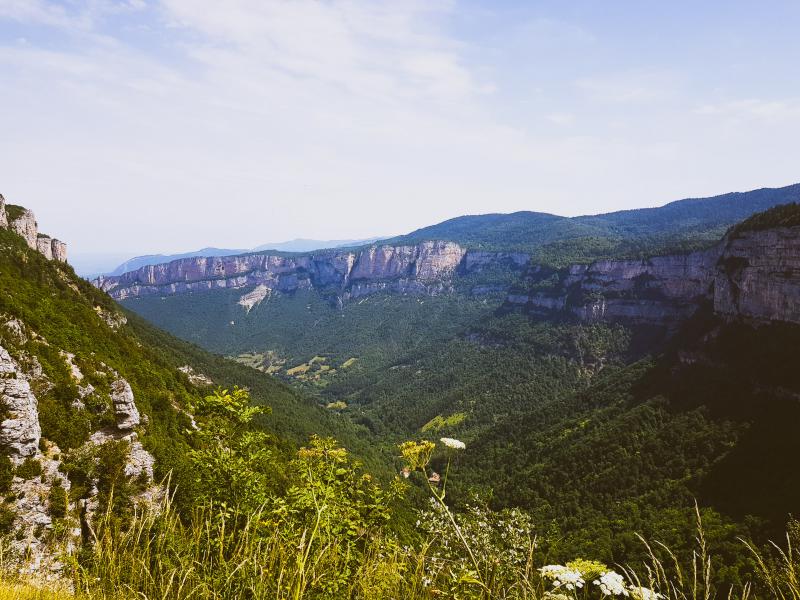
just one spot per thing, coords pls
(329, 535)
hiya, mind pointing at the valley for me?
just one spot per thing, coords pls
(596, 402)
(529, 329)
(536, 366)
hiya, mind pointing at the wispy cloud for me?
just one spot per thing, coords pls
(243, 121)
(632, 87)
(754, 108)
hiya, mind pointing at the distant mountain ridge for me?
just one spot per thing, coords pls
(295, 245)
(691, 222)
(408, 262)
(682, 225)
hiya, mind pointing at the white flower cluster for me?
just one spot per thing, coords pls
(643, 593)
(454, 444)
(612, 584)
(609, 583)
(563, 576)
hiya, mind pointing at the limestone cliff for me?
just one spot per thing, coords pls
(425, 268)
(754, 275)
(23, 222)
(758, 276)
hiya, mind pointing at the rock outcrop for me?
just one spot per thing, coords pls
(424, 268)
(45, 246)
(25, 225)
(39, 545)
(20, 431)
(125, 410)
(754, 275)
(23, 222)
(59, 250)
(195, 378)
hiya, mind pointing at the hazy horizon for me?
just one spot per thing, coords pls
(143, 127)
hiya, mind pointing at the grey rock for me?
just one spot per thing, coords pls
(25, 225)
(20, 432)
(410, 269)
(125, 410)
(753, 276)
(195, 378)
(58, 250)
(45, 246)
(758, 276)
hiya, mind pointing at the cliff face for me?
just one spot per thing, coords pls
(23, 222)
(26, 226)
(425, 268)
(758, 276)
(755, 275)
(664, 290)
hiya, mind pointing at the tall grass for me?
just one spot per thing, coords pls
(24, 591)
(221, 554)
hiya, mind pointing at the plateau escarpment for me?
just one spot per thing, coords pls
(23, 222)
(425, 268)
(750, 274)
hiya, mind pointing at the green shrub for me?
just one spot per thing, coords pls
(7, 516)
(29, 469)
(6, 473)
(58, 501)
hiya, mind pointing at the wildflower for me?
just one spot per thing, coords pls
(570, 579)
(612, 584)
(643, 593)
(417, 454)
(454, 444)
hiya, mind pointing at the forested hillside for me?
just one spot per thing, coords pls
(682, 225)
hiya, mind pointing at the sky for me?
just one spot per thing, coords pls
(143, 126)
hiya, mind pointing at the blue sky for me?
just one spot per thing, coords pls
(150, 126)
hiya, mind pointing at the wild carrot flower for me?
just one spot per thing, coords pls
(562, 576)
(612, 584)
(643, 593)
(454, 444)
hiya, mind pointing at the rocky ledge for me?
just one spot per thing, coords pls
(23, 222)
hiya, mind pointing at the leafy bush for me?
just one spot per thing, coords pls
(6, 473)
(7, 516)
(29, 469)
(58, 501)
